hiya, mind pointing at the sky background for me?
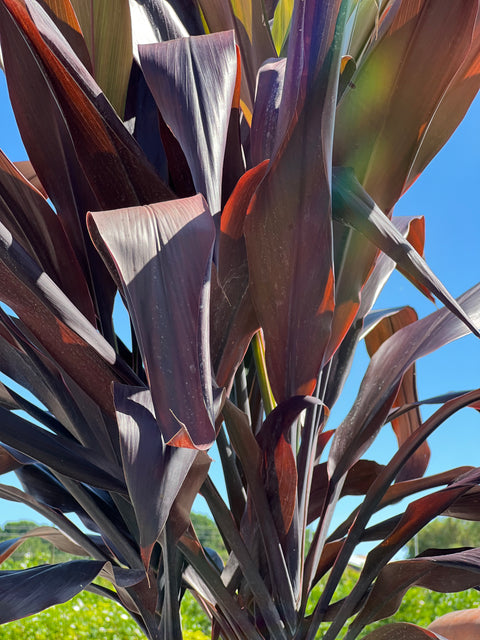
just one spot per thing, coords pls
(447, 195)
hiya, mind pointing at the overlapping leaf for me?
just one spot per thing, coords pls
(407, 423)
(380, 384)
(197, 109)
(288, 227)
(383, 116)
(150, 250)
(444, 573)
(147, 461)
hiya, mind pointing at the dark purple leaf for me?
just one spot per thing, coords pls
(268, 96)
(35, 226)
(192, 81)
(443, 573)
(60, 454)
(290, 213)
(162, 256)
(25, 592)
(380, 383)
(408, 422)
(252, 34)
(148, 461)
(354, 207)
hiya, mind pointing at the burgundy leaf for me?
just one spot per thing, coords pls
(457, 625)
(25, 592)
(233, 320)
(147, 461)
(409, 422)
(380, 383)
(252, 33)
(354, 207)
(162, 256)
(268, 96)
(378, 132)
(82, 153)
(35, 226)
(178, 73)
(443, 573)
(403, 631)
(63, 15)
(60, 454)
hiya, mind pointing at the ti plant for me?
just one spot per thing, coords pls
(230, 170)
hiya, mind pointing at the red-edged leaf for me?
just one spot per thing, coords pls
(56, 323)
(83, 155)
(460, 93)
(35, 226)
(162, 254)
(65, 18)
(147, 461)
(457, 625)
(380, 384)
(233, 320)
(442, 573)
(25, 592)
(378, 132)
(409, 422)
(192, 81)
(288, 227)
(403, 631)
(354, 207)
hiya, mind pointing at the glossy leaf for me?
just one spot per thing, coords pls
(268, 97)
(252, 33)
(403, 631)
(409, 422)
(148, 461)
(233, 320)
(290, 213)
(28, 591)
(443, 573)
(200, 126)
(65, 18)
(36, 227)
(149, 249)
(387, 367)
(378, 132)
(354, 207)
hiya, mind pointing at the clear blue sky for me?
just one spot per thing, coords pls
(447, 194)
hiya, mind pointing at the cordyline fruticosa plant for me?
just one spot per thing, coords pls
(231, 170)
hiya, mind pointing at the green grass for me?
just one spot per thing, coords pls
(88, 616)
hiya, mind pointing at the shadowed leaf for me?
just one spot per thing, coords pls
(150, 249)
(25, 592)
(199, 125)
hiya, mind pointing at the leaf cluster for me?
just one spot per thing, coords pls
(228, 171)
